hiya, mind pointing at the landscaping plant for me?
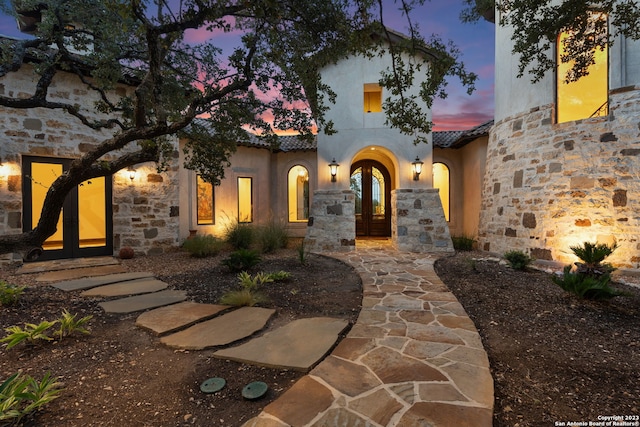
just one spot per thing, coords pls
(272, 236)
(69, 324)
(592, 277)
(518, 260)
(241, 260)
(462, 243)
(203, 246)
(20, 396)
(9, 294)
(248, 295)
(240, 235)
(30, 334)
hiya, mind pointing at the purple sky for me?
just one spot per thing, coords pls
(475, 41)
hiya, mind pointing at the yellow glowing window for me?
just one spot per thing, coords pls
(42, 176)
(441, 182)
(245, 200)
(92, 213)
(588, 96)
(298, 192)
(205, 202)
(372, 98)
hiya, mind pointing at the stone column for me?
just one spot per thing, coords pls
(332, 223)
(417, 221)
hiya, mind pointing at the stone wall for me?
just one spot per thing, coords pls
(145, 213)
(332, 225)
(417, 221)
(551, 186)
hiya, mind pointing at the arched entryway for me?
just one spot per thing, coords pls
(371, 182)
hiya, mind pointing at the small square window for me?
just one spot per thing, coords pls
(372, 98)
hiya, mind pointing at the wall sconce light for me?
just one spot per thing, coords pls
(417, 168)
(132, 173)
(333, 166)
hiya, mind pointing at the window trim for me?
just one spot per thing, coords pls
(212, 221)
(289, 201)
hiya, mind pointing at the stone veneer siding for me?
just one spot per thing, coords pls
(417, 221)
(550, 186)
(332, 225)
(145, 212)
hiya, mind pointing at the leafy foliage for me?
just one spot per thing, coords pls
(30, 334)
(592, 255)
(280, 276)
(537, 24)
(462, 243)
(203, 246)
(240, 235)
(248, 295)
(272, 236)
(242, 259)
(518, 260)
(302, 253)
(586, 286)
(9, 294)
(20, 396)
(69, 325)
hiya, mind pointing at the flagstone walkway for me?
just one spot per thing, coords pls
(413, 358)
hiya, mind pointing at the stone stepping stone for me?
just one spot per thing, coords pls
(130, 287)
(298, 345)
(65, 264)
(76, 273)
(174, 317)
(92, 282)
(143, 302)
(222, 330)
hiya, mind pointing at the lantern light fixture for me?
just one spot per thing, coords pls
(417, 168)
(132, 173)
(333, 166)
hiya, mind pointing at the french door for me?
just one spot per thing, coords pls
(371, 182)
(85, 227)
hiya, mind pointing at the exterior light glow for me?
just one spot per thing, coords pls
(333, 166)
(417, 168)
(132, 173)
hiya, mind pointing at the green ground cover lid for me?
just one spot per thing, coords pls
(254, 390)
(212, 385)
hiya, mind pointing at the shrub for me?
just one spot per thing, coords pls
(126, 252)
(240, 235)
(592, 255)
(242, 259)
(279, 276)
(9, 294)
(273, 236)
(248, 295)
(69, 324)
(21, 396)
(203, 246)
(462, 243)
(518, 260)
(31, 333)
(586, 286)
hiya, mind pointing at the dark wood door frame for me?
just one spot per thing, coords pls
(366, 223)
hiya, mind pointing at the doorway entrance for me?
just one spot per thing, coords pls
(371, 182)
(85, 227)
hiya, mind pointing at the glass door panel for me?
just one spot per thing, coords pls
(92, 219)
(41, 178)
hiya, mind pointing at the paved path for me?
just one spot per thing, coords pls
(413, 358)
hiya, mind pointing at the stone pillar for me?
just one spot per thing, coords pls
(417, 221)
(332, 223)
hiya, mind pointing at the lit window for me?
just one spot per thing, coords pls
(372, 98)
(298, 187)
(245, 200)
(204, 194)
(441, 182)
(586, 97)
(377, 193)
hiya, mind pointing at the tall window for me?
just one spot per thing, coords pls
(441, 182)
(245, 199)
(298, 191)
(588, 96)
(205, 201)
(372, 98)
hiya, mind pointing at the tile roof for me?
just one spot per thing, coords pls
(460, 138)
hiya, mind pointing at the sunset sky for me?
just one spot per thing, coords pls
(459, 111)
